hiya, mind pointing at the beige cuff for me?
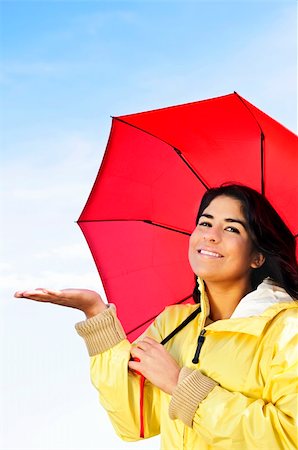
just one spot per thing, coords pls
(191, 389)
(102, 331)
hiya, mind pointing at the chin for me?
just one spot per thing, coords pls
(207, 276)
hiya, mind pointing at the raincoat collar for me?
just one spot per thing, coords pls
(204, 302)
(254, 311)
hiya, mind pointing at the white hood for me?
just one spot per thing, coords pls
(256, 302)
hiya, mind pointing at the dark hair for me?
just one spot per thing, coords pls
(269, 234)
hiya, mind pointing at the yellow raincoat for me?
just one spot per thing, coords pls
(253, 358)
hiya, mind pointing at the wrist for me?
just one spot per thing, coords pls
(172, 386)
(95, 310)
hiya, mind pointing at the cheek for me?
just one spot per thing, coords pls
(244, 252)
(194, 237)
(191, 245)
(192, 260)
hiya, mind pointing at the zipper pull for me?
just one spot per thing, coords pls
(201, 340)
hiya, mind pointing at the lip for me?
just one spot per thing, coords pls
(209, 253)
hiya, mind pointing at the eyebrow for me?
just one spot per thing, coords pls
(229, 220)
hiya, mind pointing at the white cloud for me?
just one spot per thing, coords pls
(41, 200)
(51, 279)
(65, 251)
(4, 267)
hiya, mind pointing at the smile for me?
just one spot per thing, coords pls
(209, 253)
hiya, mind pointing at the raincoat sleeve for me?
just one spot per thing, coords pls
(226, 419)
(118, 387)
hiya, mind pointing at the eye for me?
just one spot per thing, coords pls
(232, 230)
(204, 224)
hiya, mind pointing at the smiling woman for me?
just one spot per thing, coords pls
(272, 242)
(243, 258)
(221, 252)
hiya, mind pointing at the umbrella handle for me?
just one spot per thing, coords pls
(142, 386)
(137, 360)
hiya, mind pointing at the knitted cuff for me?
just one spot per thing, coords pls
(101, 332)
(191, 389)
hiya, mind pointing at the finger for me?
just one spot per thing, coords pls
(149, 345)
(34, 292)
(20, 294)
(56, 293)
(37, 291)
(136, 352)
(142, 345)
(150, 340)
(31, 297)
(135, 366)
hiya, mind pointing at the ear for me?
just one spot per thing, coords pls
(257, 261)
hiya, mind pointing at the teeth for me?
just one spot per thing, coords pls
(206, 252)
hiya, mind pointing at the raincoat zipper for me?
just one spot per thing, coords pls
(201, 340)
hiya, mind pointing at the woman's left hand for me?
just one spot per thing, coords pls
(155, 363)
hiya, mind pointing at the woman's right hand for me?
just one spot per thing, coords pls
(90, 302)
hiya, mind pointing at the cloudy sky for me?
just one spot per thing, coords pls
(66, 67)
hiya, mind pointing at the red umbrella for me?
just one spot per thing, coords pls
(144, 202)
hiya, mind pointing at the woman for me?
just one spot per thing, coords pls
(227, 377)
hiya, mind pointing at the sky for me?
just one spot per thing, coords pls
(66, 68)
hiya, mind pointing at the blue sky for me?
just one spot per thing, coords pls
(66, 67)
(109, 58)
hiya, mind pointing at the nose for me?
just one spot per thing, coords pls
(211, 234)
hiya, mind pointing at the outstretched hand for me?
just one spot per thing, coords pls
(90, 302)
(155, 363)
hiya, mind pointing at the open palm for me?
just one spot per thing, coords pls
(85, 300)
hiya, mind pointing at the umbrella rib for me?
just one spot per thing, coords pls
(149, 222)
(262, 164)
(153, 317)
(155, 224)
(262, 141)
(177, 151)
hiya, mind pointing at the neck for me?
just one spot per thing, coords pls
(223, 299)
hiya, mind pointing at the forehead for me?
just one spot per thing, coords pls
(226, 207)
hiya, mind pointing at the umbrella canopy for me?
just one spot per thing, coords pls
(144, 202)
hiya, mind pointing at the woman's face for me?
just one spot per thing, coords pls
(220, 248)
